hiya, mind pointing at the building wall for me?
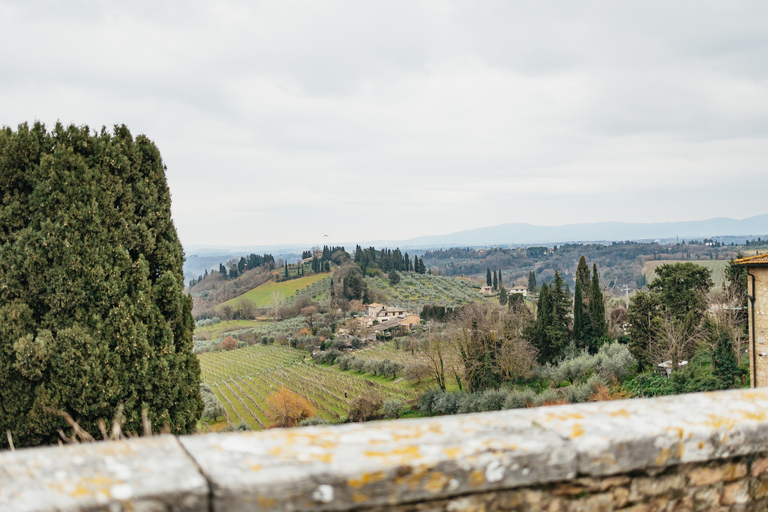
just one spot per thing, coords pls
(758, 312)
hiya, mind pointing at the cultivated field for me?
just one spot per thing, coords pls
(716, 266)
(262, 295)
(415, 290)
(244, 378)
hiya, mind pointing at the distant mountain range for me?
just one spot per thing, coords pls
(527, 234)
(202, 257)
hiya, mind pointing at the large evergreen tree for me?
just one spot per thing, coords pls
(532, 281)
(582, 274)
(92, 311)
(578, 315)
(488, 278)
(597, 307)
(495, 282)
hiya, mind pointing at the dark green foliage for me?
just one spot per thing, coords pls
(515, 301)
(549, 333)
(582, 274)
(92, 311)
(578, 315)
(488, 278)
(597, 308)
(682, 289)
(394, 277)
(644, 326)
(502, 296)
(726, 368)
(495, 281)
(532, 282)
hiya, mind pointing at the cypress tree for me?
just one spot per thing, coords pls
(495, 281)
(597, 307)
(531, 281)
(582, 274)
(92, 310)
(578, 314)
(488, 279)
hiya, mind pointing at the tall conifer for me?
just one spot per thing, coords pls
(92, 310)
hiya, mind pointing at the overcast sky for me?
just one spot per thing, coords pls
(285, 121)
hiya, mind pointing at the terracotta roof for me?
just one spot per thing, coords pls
(760, 259)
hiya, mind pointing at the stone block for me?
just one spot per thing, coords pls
(360, 465)
(152, 473)
(735, 493)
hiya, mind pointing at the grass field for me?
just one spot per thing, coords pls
(220, 329)
(262, 295)
(244, 378)
(716, 266)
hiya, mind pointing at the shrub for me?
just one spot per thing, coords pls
(518, 399)
(287, 409)
(228, 343)
(492, 399)
(213, 408)
(447, 403)
(391, 408)
(365, 407)
(314, 420)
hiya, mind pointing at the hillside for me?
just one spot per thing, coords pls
(244, 378)
(262, 295)
(414, 290)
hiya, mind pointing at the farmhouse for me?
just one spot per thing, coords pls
(383, 318)
(486, 290)
(523, 290)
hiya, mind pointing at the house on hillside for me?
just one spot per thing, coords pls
(383, 318)
(486, 290)
(523, 290)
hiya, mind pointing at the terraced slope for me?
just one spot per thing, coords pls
(244, 378)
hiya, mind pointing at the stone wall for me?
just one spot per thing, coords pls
(758, 325)
(706, 451)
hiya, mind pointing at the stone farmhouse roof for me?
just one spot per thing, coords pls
(758, 260)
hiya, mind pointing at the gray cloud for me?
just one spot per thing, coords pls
(280, 122)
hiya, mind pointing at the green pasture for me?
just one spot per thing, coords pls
(261, 296)
(717, 267)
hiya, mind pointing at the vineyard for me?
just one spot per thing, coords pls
(244, 378)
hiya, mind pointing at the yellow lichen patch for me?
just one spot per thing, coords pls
(620, 412)
(564, 416)
(577, 431)
(359, 497)
(403, 455)
(663, 456)
(679, 431)
(756, 416)
(452, 452)
(414, 477)
(266, 502)
(322, 457)
(701, 445)
(436, 482)
(720, 422)
(680, 450)
(476, 478)
(366, 478)
(115, 449)
(256, 467)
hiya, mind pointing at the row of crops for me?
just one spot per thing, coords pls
(244, 378)
(414, 290)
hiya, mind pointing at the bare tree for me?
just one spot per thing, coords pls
(245, 308)
(724, 311)
(277, 304)
(676, 342)
(310, 317)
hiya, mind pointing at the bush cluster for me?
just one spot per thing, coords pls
(381, 367)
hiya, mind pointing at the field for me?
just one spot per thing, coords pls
(716, 266)
(262, 295)
(218, 330)
(415, 290)
(244, 378)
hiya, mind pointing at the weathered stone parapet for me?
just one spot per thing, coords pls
(706, 451)
(147, 474)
